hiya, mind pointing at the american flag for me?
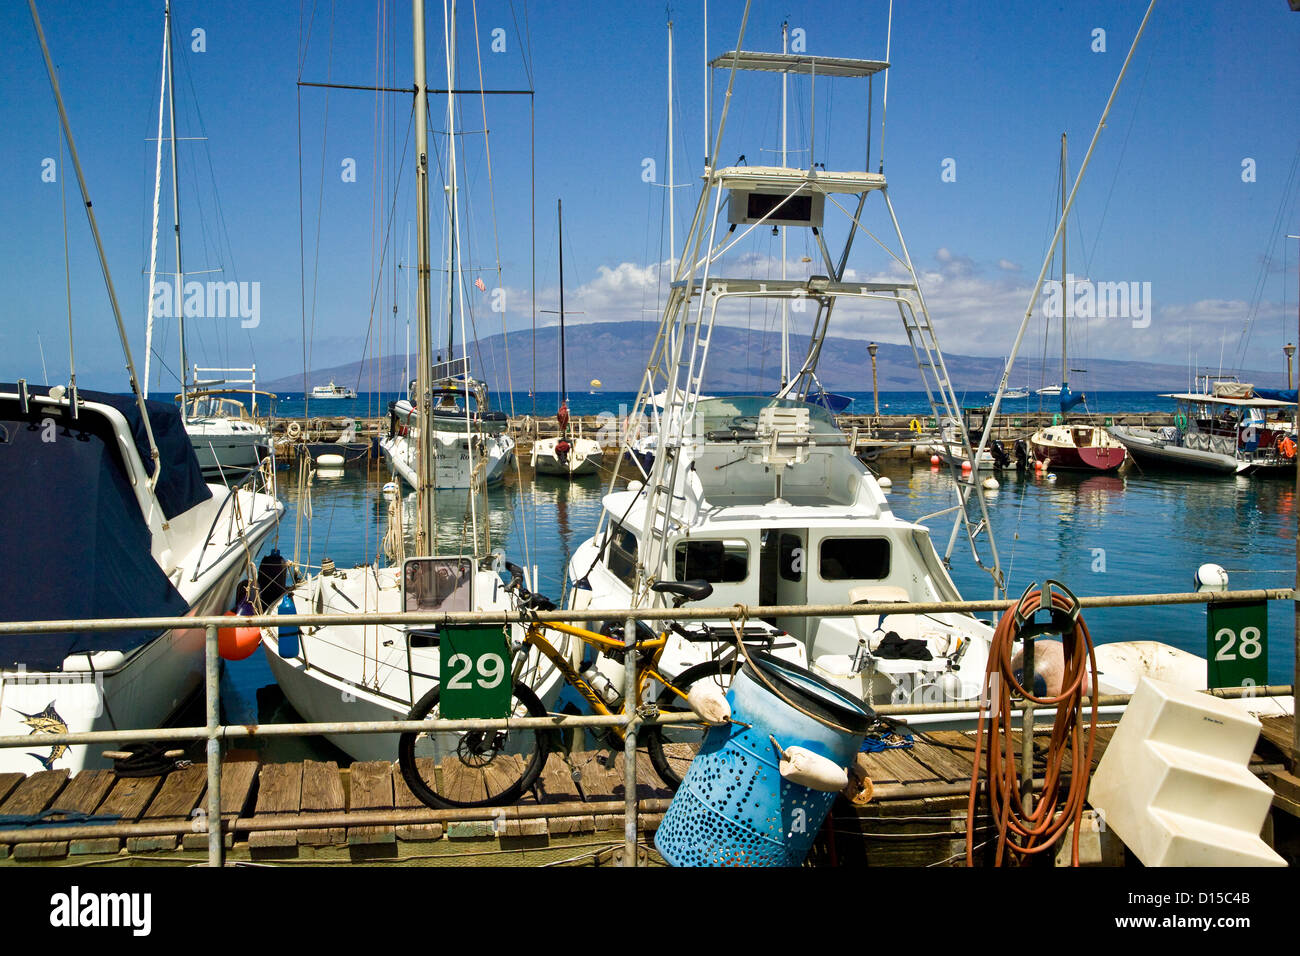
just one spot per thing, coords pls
(480, 285)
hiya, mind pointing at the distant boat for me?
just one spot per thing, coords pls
(332, 391)
(1013, 394)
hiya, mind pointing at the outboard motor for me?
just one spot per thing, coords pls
(1021, 450)
(1000, 456)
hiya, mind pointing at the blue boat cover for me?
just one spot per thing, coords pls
(1276, 394)
(76, 543)
(1069, 399)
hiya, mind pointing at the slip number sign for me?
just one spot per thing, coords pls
(474, 672)
(1237, 649)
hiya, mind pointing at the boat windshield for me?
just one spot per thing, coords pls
(742, 411)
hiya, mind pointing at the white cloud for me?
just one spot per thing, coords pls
(977, 308)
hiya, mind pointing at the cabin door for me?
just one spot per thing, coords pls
(784, 578)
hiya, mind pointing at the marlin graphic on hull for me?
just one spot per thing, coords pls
(47, 721)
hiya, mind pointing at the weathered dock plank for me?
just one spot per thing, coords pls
(127, 799)
(556, 785)
(279, 791)
(372, 789)
(322, 792)
(8, 781)
(404, 799)
(175, 801)
(237, 778)
(83, 794)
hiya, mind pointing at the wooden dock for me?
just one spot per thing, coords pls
(314, 811)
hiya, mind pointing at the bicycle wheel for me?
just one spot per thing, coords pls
(476, 768)
(673, 746)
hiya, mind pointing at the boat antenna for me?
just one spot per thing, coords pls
(99, 247)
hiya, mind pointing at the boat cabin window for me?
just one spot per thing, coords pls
(854, 559)
(622, 554)
(716, 561)
(437, 584)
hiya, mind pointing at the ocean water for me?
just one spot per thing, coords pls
(594, 402)
(1097, 534)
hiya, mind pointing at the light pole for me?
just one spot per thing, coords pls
(1289, 349)
(871, 347)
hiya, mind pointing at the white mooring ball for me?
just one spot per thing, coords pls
(991, 484)
(1211, 577)
(884, 483)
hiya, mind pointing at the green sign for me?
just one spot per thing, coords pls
(474, 672)
(1237, 648)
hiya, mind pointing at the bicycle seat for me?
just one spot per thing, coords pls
(684, 590)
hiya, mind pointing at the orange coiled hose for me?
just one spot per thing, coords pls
(1020, 830)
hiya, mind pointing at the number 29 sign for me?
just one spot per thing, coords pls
(1237, 633)
(474, 672)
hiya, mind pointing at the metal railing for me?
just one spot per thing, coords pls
(214, 732)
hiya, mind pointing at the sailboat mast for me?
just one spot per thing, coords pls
(1065, 289)
(424, 540)
(564, 382)
(451, 180)
(785, 302)
(176, 199)
(153, 232)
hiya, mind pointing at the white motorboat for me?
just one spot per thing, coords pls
(332, 391)
(1224, 428)
(117, 537)
(107, 510)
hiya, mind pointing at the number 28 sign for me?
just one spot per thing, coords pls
(474, 672)
(1238, 644)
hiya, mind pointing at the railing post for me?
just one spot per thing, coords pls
(212, 675)
(630, 704)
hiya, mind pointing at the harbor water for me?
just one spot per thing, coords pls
(1098, 534)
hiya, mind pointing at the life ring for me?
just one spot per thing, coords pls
(1285, 445)
(294, 430)
(1180, 421)
(914, 425)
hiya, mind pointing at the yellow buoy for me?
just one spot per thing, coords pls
(595, 383)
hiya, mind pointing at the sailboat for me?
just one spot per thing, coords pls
(352, 672)
(1072, 446)
(569, 456)
(469, 444)
(105, 496)
(227, 435)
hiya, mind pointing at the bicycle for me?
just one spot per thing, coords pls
(497, 767)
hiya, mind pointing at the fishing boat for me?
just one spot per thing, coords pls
(1080, 447)
(568, 455)
(1224, 428)
(106, 498)
(761, 495)
(345, 671)
(332, 391)
(228, 437)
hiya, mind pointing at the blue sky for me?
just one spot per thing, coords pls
(988, 86)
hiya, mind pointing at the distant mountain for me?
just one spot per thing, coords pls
(739, 360)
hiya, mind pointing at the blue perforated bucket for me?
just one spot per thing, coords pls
(733, 808)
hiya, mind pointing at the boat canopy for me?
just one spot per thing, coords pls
(81, 545)
(1208, 399)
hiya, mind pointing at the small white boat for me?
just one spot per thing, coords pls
(332, 391)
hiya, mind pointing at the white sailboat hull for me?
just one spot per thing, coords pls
(452, 464)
